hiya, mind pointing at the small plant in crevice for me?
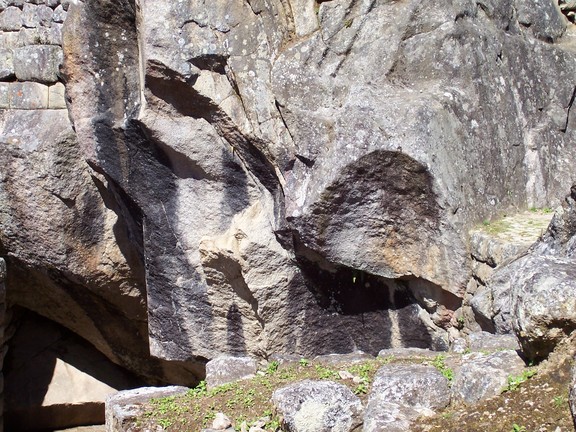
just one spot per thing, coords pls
(518, 428)
(514, 381)
(439, 363)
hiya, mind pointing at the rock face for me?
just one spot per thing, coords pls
(318, 406)
(54, 379)
(270, 177)
(534, 295)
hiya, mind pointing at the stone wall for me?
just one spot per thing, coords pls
(2, 348)
(31, 54)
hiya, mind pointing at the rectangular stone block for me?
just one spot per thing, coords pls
(11, 19)
(38, 63)
(9, 40)
(36, 15)
(4, 95)
(28, 95)
(56, 96)
(6, 64)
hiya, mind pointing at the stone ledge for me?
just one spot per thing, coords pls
(31, 96)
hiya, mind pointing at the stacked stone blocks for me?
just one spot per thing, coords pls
(31, 54)
(2, 345)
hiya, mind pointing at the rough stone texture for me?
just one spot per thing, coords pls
(279, 177)
(226, 369)
(573, 395)
(484, 341)
(28, 96)
(2, 337)
(10, 19)
(123, 408)
(4, 95)
(420, 387)
(54, 380)
(318, 406)
(534, 294)
(38, 63)
(56, 99)
(81, 237)
(335, 359)
(384, 416)
(404, 353)
(544, 303)
(6, 64)
(482, 376)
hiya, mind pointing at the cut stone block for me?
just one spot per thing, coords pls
(59, 15)
(38, 63)
(36, 15)
(6, 64)
(56, 96)
(4, 95)
(28, 95)
(11, 19)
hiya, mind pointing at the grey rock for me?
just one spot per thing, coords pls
(384, 416)
(59, 14)
(6, 64)
(10, 19)
(484, 341)
(2, 269)
(36, 15)
(56, 96)
(483, 376)
(4, 95)
(544, 303)
(39, 63)
(459, 345)
(227, 369)
(53, 3)
(318, 406)
(542, 18)
(420, 387)
(123, 408)
(406, 353)
(28, 96)
(335, 359)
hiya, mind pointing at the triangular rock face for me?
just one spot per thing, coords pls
(256, 177)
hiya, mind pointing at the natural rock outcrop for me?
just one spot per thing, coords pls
(250, 177)
(534, 295)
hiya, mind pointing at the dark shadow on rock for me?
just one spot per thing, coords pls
(45, 370)
(234, 331)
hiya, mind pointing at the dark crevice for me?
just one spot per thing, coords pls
(568, 109)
